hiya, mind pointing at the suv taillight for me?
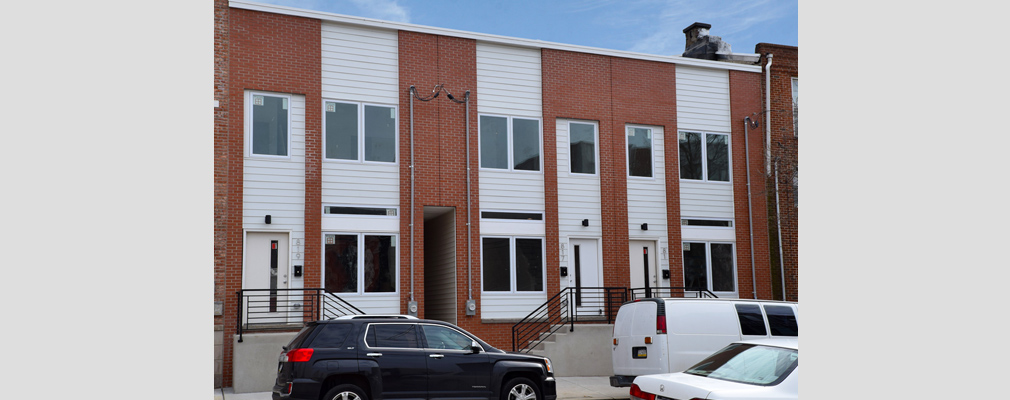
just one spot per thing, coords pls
(299, 355)
(660, 324)
(637, 393)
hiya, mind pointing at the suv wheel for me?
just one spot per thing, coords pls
(520, 389)
(346, 392)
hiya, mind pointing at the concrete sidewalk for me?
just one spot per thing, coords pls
(569, 388)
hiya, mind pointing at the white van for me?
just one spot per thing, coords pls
(655, 336)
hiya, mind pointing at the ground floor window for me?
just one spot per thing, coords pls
(512, 264)
(360, 263)
(709, 266)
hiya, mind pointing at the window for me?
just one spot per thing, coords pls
(440, 337)
(709, 266)
(639, 152)
(582, 148)
(353, 129)
(782, 321)
(270, 125)
(402, 336)
(706, 222)
(342, 259)
(512, 215)
(796, 106)
(749, 364)
(708, 162)
(751, 320)
(512, 264)
(509, 143)
(331, 335)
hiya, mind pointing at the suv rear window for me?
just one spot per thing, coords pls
(782, 321)
(331, 335)
(751, 320)
(299, 338)
(392, 335)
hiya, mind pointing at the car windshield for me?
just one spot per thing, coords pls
(748, 363)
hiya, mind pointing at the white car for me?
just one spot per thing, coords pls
(751, 369)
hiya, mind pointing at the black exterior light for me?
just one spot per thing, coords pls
(645, 227)
(585, 222)
(267, 220)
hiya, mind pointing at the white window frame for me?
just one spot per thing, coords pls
(510, 144)
(652, 152)
(361, 263)
(596, 147)
(361, 133)
(704, 156)
(512, 264)
(250, 96)
(708, 267)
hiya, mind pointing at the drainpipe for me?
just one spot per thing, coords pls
(778, 228)
(469, 238)
(768, 114)
(411, 95)
(750, 215)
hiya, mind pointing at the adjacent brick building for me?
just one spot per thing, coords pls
(405, 169)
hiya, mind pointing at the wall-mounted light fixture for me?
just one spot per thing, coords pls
(645, 227)
(585, 222)
(267, 220)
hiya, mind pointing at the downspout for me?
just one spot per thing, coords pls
(750, 214)
(411, 192)
(778, 228)
(768, 114)
(469, 238)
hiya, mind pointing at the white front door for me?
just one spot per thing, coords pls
(645, 274)
(266, 271)
(586, 276)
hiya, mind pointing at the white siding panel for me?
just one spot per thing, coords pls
(509, 80)
(578, 195)
(360, 63)
(509, 305)
(647, 199)
(511, 191)
(706, 200)
(348, 183)
(703, 99)
(374, 304)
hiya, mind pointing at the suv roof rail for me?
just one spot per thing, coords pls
(376, 316)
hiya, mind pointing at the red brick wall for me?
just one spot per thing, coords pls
(784, 149)
(268, 52)
(745, 100)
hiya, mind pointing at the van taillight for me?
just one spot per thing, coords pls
(660, 324)
(637, 393)
(299, 355)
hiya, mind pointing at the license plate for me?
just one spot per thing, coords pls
(639, 352)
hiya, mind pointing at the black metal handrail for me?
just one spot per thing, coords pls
(697, 293)
(287, 309)
(569, 306)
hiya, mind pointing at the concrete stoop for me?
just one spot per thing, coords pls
(586, 351)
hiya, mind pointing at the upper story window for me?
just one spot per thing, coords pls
(582, 148)
(509, 143)
(360, 263)
(271, 121)
(639, 152)
(360, 132)
(704, 156)
(796, 106)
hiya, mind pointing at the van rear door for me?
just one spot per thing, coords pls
(635, 324)
(697, 329)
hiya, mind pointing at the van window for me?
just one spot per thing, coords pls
(331, 335)
(782, 321)
(751, 320)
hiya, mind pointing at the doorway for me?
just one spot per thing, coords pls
(586, 276)
(440, 280)
(645, 272)
(266, 274)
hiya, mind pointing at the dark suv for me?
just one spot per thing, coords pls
(399, 357)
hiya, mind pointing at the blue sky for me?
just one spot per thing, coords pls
(644, 26)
